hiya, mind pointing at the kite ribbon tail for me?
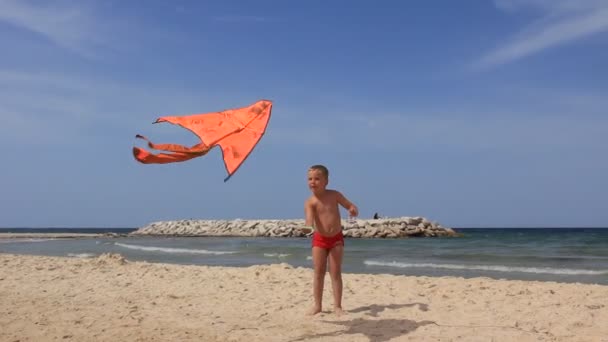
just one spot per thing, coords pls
(145, 157)
(198, 149)
(179, 152)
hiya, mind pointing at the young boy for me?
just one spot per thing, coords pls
(323, 215)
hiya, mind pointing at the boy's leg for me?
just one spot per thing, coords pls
(335, 271)
(319, 260)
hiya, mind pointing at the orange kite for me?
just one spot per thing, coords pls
(236, 131)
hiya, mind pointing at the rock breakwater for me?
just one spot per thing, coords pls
(398, 227)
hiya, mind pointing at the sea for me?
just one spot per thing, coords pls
(539, 254)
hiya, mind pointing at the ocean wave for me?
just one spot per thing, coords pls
(523, 257)
(275, 255)
(172, 250)
(81, 255)
(495, 268)
(25, 240)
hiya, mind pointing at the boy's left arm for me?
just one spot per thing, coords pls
(348, 205)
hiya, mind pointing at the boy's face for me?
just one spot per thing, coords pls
(316, 181)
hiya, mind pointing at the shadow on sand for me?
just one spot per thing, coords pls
(374, 309)
(375, 330)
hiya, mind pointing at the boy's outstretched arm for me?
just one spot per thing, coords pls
(348, 205)
(309, 218)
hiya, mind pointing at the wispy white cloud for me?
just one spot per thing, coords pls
(32, 105)
(519, 118)
(41, 108)
(302, 134)
(44, 109)
(504, 131)
(68, 25)
(560, 22)
(453, 130)
(241, 19)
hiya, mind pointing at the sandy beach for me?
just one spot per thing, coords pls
(109, 298)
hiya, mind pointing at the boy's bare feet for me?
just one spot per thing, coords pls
(339, 311)
(313, 311)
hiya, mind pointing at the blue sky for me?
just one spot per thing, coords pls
(470, 113)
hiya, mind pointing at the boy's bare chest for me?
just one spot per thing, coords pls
(326, 206)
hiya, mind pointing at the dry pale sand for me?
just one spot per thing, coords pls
(110, 299)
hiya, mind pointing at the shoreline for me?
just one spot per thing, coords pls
(111, 298)
(52, 235)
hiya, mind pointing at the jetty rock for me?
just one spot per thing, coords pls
(397, 227)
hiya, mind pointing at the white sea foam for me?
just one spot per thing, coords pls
(24, 240)
(81, 255)
(495, 268)
(172, 250)
(275, 255)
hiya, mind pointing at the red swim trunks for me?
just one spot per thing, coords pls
(327, 242)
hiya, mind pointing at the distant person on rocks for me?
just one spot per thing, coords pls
(376, 216)
(323, 216)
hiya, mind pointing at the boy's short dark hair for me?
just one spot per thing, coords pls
(321, 168)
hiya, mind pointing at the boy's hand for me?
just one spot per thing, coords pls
(353, 211)
(307, 229)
